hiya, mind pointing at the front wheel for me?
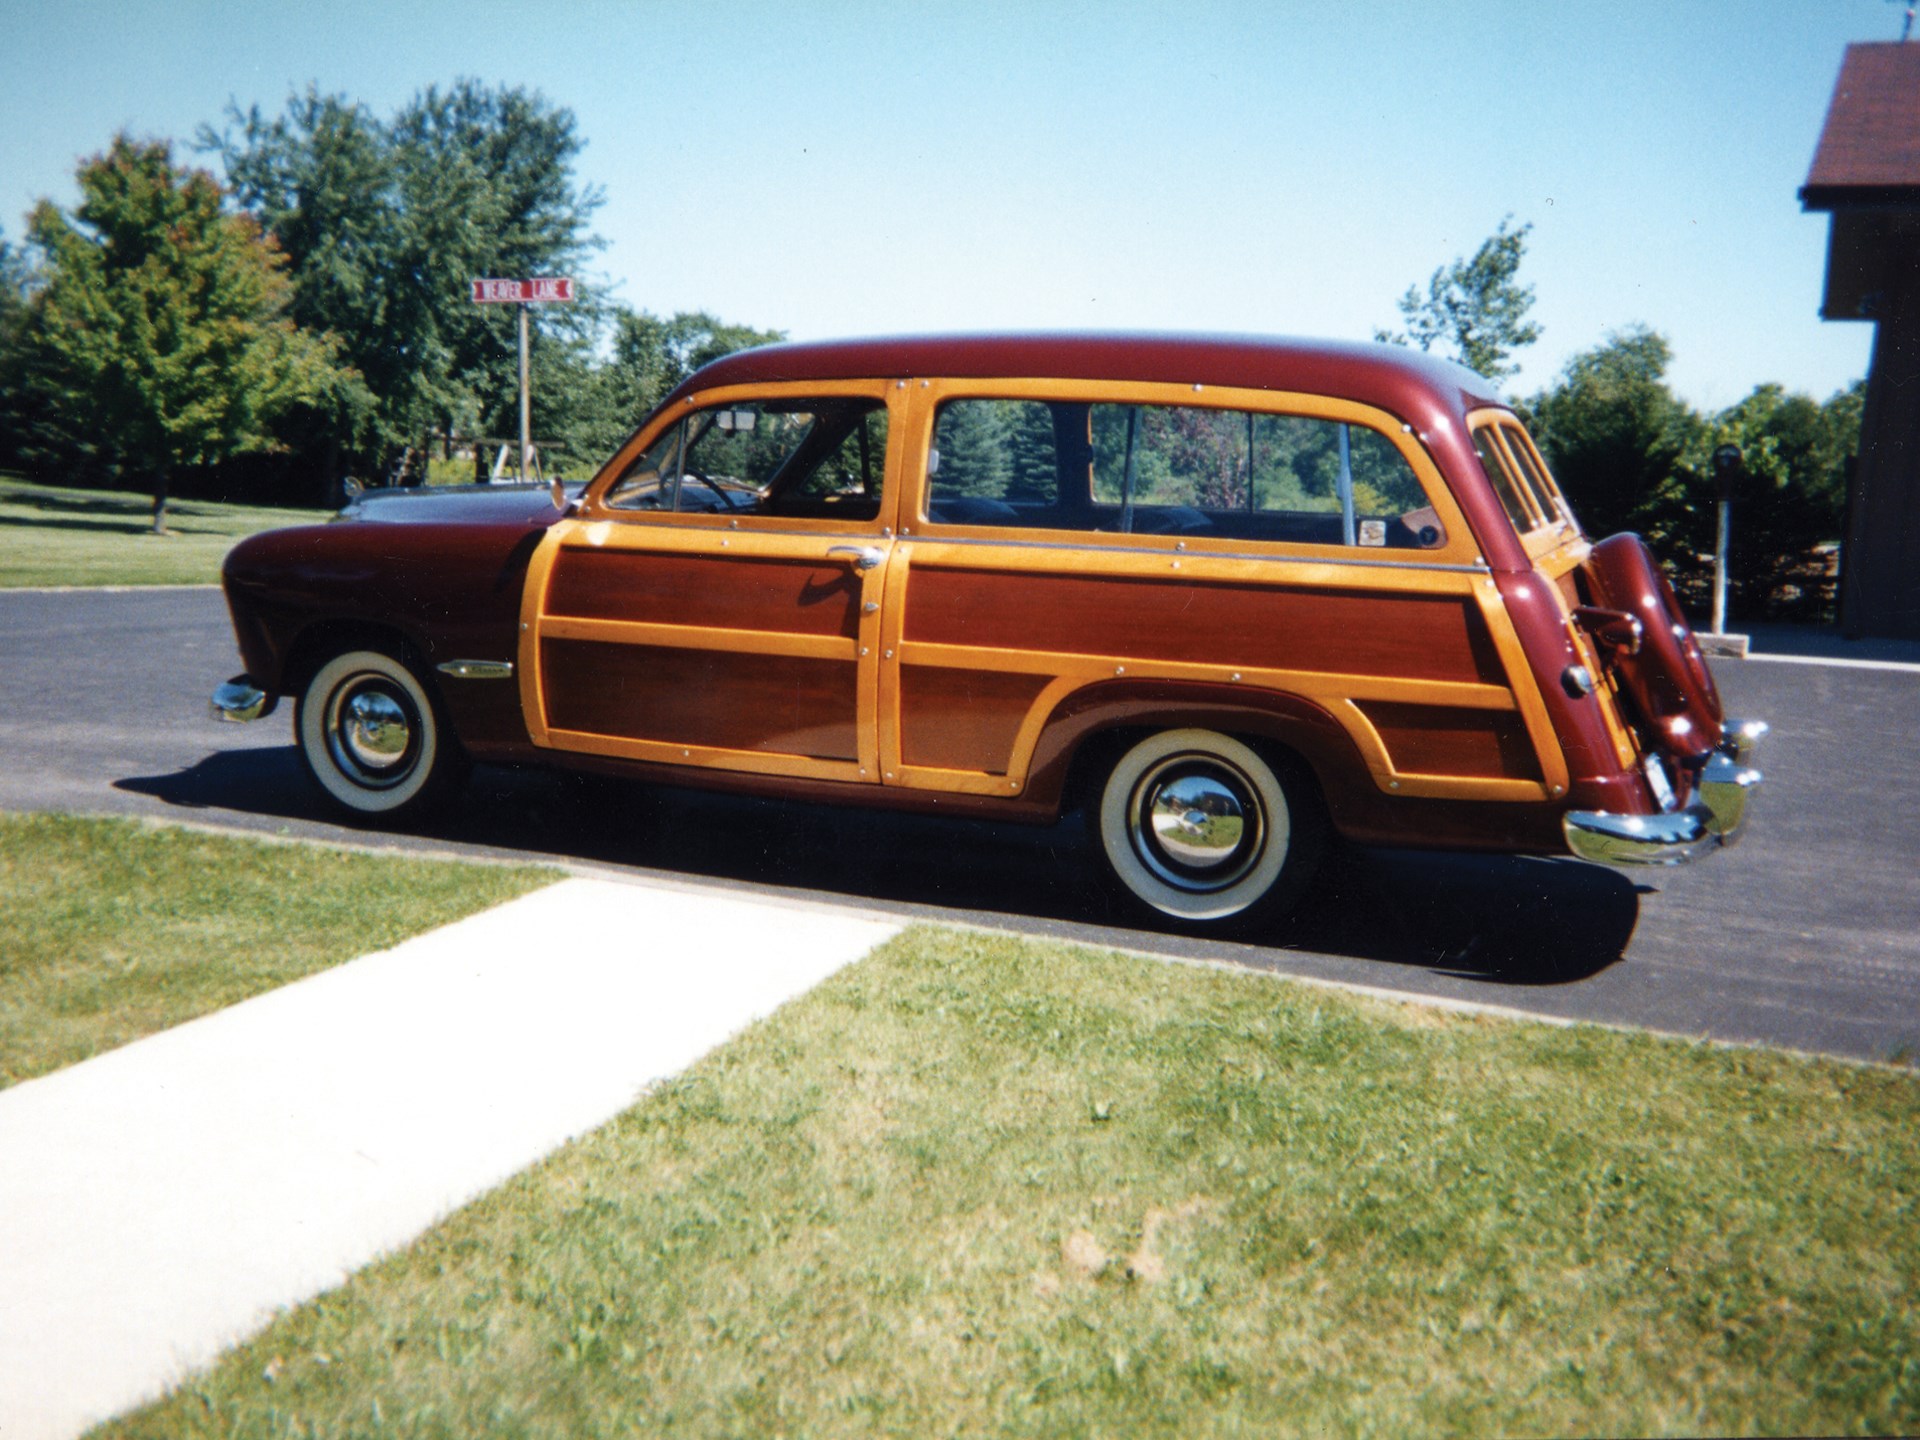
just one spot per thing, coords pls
(1200, 828)
(372, 737)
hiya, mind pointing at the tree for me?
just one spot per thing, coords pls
(592, 408)
(385, 223)
(15, 274)
(161, 329)
(1631, 455)
(1475, 308)
(1615, 434)
(1789, 499)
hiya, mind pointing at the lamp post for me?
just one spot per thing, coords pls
(1727, 463)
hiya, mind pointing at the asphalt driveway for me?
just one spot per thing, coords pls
(1807, 935)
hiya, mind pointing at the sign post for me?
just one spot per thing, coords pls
(547, 290)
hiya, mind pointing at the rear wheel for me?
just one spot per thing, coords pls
(372, 737)
(1201, 828)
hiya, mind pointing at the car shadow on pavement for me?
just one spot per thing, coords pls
(1514, 920)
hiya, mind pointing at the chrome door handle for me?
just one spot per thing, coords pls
(865, 557)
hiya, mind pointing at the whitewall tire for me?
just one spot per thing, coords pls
(1200, 828)
(372, 737)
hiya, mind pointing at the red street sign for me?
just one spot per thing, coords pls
(494, 292)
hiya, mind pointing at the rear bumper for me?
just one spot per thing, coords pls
(1715, 818)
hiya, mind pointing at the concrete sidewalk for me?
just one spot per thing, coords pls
(162, 1201)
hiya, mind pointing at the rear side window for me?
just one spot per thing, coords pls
(1167, 469)
(1518, 476)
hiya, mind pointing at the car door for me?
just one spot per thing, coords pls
(715, 603)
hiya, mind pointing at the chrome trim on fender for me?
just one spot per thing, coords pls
(240, 700)
(1725, 788)
(1740, 738)
(1669, 839)
(477, 669)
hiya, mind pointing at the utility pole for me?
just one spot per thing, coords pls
(526, 404)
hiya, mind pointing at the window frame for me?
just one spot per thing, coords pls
(1554, 523)
(593, 501)
(1458, 548)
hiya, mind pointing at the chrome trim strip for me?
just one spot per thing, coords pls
(240, 700)
(926, 537)
(643, 520)
(1669, 839)
(477, 669)
(1740, 738)
(1726, 787)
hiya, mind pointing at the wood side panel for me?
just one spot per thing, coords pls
(736, 701)
(726, 592)
(1428, 637)
(963, 719)
(1431, 740)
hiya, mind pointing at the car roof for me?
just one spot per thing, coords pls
(1404, 382)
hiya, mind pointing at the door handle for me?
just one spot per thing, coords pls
(864, 557)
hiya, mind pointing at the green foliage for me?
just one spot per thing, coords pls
(972, 438)
(1631, 455)
(593, 407)
(14, 276)
(1474, 309)
(386, 222)
(1615, 434)
(160, 336)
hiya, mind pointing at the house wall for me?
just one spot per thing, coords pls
(1880, 575)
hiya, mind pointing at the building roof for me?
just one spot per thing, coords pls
(1869, 152)
(1403, 382)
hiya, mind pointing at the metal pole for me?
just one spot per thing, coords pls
(526, 408)
(1347, 535)
(1720, 572)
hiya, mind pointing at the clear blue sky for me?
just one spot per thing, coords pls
(840, 168)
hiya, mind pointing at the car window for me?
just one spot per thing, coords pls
(1527, 458)
(822, 458)
(1512, 490)
(1168, 469)
(1519, 477)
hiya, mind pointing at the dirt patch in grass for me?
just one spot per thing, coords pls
(1066, 1192)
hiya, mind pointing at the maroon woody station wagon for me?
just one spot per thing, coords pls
(1231, 596)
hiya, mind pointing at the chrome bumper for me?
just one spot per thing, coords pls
(1715, 818)
(240, 700)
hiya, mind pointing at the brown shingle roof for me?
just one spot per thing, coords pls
(1870, 149)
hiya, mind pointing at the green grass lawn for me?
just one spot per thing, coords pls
(55, 536)
(110, 930)
(979, 1186)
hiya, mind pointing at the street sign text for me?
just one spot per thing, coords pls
(529, 292)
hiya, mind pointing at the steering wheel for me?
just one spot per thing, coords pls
(719, 492)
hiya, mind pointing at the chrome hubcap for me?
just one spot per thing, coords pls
(372, 730)
(1196, 822)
